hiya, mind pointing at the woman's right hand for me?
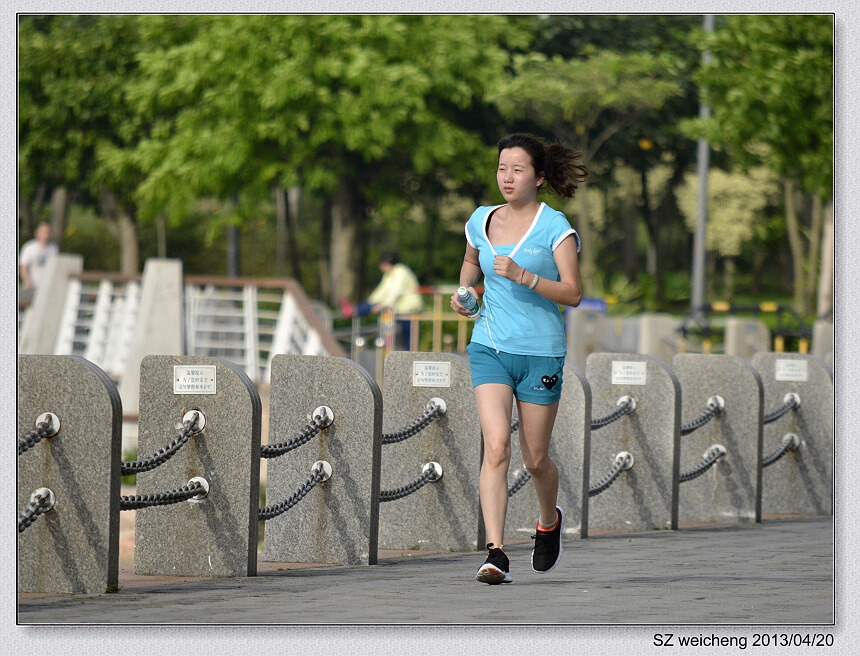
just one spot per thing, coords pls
(457, 307)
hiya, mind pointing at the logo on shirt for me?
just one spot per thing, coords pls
(533, 251)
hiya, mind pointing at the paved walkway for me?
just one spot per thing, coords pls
(777, 572)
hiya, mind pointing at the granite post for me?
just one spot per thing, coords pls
(337, 522)
(801, 482)
(746, 337)
(215, 536)
(444, 514)
(74, 547)
(644, 497)
(730, 491)
(568, 448)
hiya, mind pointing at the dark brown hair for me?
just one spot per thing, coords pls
(555, 162)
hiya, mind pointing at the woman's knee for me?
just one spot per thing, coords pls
(538, 465)
(497, 454)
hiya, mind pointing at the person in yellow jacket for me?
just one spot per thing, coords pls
(397, 290)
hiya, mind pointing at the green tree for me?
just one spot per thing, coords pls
(770, 85)
(361, 110)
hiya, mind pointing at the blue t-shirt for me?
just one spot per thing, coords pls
(514, 318)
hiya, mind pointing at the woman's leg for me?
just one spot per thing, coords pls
(495, 403)
(536, 422)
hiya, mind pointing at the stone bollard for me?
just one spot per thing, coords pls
(443, 514)
(730, 490)
(215, 536)
(645, 496)
(568, 450)
(746, 337)
(800, 482)
(337, 521)
(74, 547)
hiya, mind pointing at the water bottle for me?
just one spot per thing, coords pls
(469, 302)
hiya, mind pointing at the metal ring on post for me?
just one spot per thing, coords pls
(200, 420)
(324, 466)
(713, 450)
(439, 403)
(53, 423)
(624, 457)
(716, 402)
(791, 440)
(792, 396)
(624, 400)
(204, 484)
(44, 492)
(326, 413)
(437, 470)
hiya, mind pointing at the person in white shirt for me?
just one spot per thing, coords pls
(35, 255)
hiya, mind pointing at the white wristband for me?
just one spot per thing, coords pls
(535, 281)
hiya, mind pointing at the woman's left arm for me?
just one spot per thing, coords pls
(567, 291)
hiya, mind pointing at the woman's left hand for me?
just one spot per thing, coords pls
(507, 268)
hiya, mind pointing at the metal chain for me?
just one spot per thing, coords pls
(710, 412)
(406, 490)
(787, 445)
(515, 424)
(161, 498)
(303, 437)
(520, 483)
(613, 416)
(770, 417)
(270, 512)
(31, 439)
(164, 453)
(37, 506)
(425, 419)
(702, 467)
(604, 483)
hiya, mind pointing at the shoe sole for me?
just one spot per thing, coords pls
(492, 575)
(560, 544)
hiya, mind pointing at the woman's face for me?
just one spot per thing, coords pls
(516, 175)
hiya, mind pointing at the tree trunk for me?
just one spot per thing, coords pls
(128, 246)
(324, 267)
(59, 214)
(794, 242)
(123, 226)
(161, 234)
(294, 196)
(825, 281)
(346, 223)
(281, 230)
(654, 233)
(728, 277)
(814, 245)
(587, 260)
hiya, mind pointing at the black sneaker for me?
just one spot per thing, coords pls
(547, 551)
(496, 569)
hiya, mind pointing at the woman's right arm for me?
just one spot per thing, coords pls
(470, 275)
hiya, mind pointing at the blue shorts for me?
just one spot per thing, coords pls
(534, 378)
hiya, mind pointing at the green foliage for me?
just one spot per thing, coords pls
(770, 85)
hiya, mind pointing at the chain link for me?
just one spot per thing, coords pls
(790, 404)
(426, 418)
(710, 412)
(39, 505)
(270, 512)
(161, 498)
(627, 408)
(406, 490)
(520, 483)
(611, 476)
(787, 445)
(163, 454)
(31, 439)
(303, 437)
(702, 467)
